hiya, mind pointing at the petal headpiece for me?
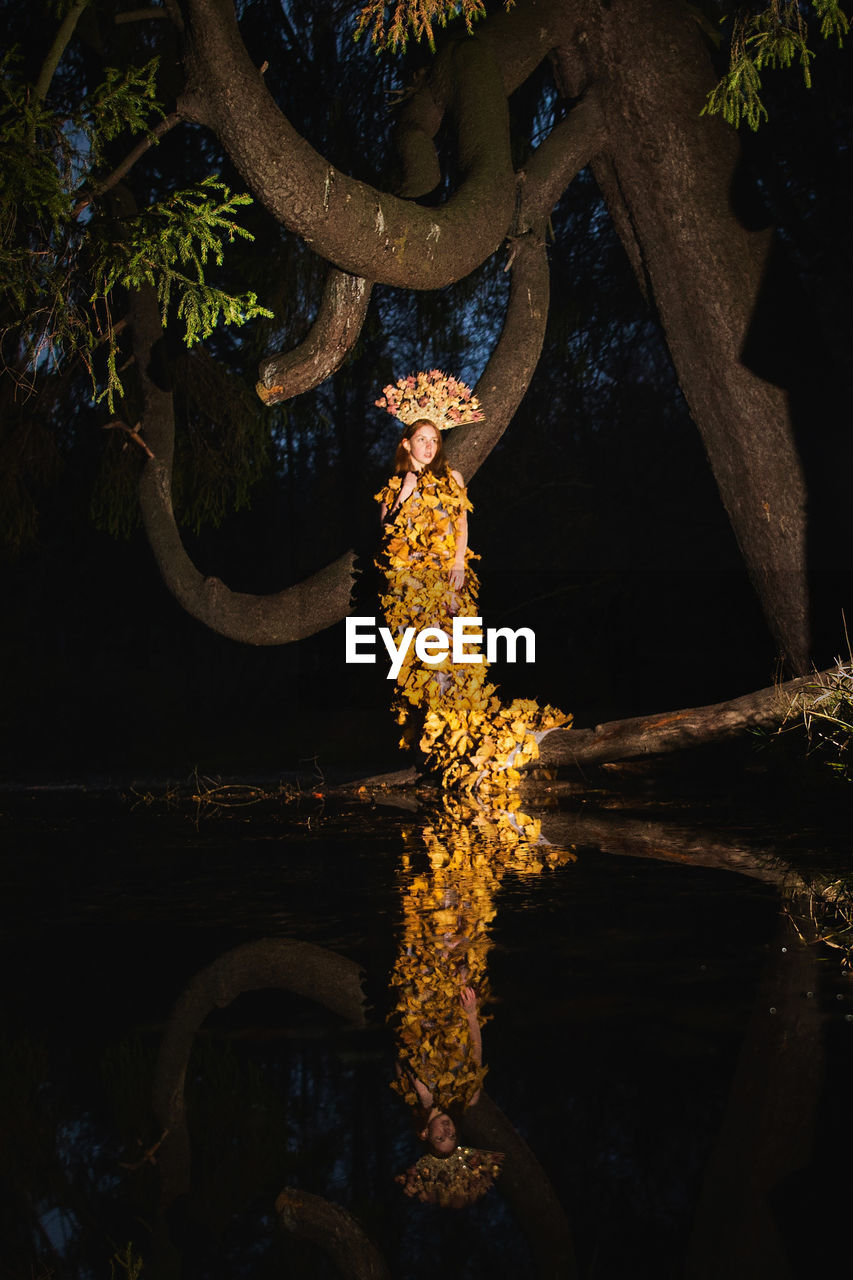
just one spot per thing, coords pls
(435, 395)
(459, 1180)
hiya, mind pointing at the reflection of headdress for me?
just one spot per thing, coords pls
(435, 395)
(454, 1182)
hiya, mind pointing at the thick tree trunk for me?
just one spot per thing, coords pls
(666, 173)
(668, 176)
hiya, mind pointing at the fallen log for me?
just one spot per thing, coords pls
(691, 727)
(652, 735)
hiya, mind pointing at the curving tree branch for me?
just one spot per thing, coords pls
(334, 1231)
(333, 334)
(555, 164)
(528, 1188)
(511, 365)
(281, 963)
(357, 228)
(513, 362)
(292, 614)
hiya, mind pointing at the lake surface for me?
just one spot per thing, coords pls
(668, 1064)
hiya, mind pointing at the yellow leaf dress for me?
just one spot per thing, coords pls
(468, 736)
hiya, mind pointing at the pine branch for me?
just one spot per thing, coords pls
(776, 38)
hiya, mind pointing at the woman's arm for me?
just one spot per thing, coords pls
(468, 1000)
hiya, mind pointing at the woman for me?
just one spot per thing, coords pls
(420, 451)
(449, 1174)
(466, 734)
(425, 557)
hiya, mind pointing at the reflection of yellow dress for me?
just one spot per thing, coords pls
(451, 870)
(466, 733)
(448, 905)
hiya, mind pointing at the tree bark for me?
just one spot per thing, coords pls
(301, 967)
(513, 362)
(678, 730)
(334, 1231)
(284, 616)
(767, 1133)
(332, 336)
(357, 228)
(668, 176)
(527, 1188)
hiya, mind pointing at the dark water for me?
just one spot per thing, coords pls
(674, 1059)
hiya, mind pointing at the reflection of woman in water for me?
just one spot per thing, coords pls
(449, 1174)
(449, 876)
(467, 735)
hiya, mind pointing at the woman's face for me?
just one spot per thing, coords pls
(441, 1134)
(422, 446)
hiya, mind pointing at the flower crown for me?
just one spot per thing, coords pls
(435, 395)
(460, 1179)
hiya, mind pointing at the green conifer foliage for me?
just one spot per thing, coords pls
(776, 36)
(64, 258)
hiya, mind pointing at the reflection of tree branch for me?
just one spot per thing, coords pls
(279, 963)
(334, 1231)
(528, 1189)
(642, 838)
(767, 1135)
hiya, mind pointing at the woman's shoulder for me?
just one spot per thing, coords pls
(457, 476)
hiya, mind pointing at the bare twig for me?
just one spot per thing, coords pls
(147, 1156)
(141, 15)
(162, 127)
(133, 432)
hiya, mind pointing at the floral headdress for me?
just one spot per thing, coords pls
(459, 1180)
(435, 395)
